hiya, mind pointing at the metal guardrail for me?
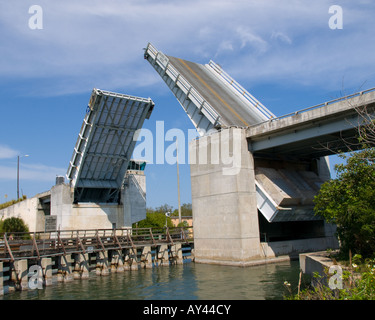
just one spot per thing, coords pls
(257, 105)
(163, 62)
(35, 245)
(360, 93)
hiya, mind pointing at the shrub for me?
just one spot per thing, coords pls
(13, 224)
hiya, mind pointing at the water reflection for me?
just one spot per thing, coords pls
(188, 282)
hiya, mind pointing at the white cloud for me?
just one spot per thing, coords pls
(248, 37)
(281, 36)
(89, 44)
(37, 172)
(7, 152)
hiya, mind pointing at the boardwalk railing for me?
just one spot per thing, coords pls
(35, 245)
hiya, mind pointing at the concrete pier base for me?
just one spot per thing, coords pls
(163, 255)
(46, 264)
(117, 261)
(65, 268)
(102, 267)
(133, 259)
(81, 266)
(147, 257)
(19, 274)
(127, 256)
(224, 199)
(1, 279)
(176, 254)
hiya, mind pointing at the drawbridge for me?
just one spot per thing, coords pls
(210, 97)
(213, 100)
(101, 156)
(287, 150)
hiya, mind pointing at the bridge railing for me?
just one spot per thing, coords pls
(357, 94)
(34, 245)
(163, 62)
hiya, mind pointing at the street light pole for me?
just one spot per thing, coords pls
(178, 184)
(18, 175)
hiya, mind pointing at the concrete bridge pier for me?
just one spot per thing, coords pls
(117, 261)
(1, 278)
(19, 274)
(176, 254)
(81, 266)
(147, 257)
(163, 255)
(65, 268)
(134, 264)
(46, 265)
(127, 259)
(102, 267)
(224, 202)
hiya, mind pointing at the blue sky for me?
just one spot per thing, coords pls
(283, 52)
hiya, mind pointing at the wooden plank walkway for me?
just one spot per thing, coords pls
(36, 245)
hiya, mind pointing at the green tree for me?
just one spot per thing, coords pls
(349, 202)
(164, 208)
(186, 210)
(13, 224)
(154, 220)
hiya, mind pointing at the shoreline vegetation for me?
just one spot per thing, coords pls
(11, 202)
(353, 279)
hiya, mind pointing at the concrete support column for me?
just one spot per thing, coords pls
(224, 202)
(192, 254)
(81, 266)
(147, 257)
(85, 266)
(163, 255)
(127, 259)
(134, 260)
(176, 251)
(19, 274)
(102, 267)
(117, 261)
(46, 265)
(65, 268)
(1, 279)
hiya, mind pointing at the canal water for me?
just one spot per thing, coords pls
(190, 281)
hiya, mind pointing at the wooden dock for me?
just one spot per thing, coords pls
(34, 260)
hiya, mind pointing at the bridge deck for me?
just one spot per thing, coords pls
(316, 131)
(17, 246)
(233, 111)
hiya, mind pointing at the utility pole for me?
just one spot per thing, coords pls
(18, 174)
(178, 185)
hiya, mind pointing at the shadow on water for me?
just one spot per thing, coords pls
(187, 282)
